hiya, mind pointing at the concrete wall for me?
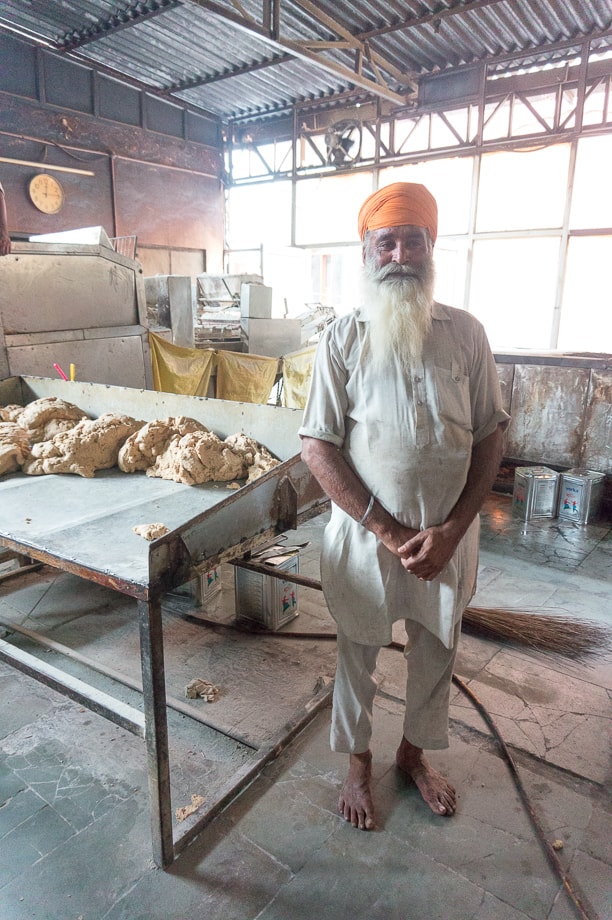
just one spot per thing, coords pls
(561, 409)
(149, 178)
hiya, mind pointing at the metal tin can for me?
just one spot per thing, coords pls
(535, 492)
(265, 601)
(580, 495)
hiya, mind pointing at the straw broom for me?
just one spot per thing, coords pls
(562, 635)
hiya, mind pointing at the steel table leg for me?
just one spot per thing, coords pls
(156, 729)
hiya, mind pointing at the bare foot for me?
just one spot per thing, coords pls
(355, 802)
(436, 791)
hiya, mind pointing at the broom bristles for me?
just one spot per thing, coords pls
(563, 635)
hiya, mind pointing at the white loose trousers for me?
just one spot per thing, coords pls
(429, 672)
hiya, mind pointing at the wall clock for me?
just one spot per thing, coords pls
(46, 193)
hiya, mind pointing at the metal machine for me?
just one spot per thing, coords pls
(235, 312)
(83, 304)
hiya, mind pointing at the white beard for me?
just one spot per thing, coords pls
(400, 303)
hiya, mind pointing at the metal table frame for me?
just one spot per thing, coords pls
(228, 528)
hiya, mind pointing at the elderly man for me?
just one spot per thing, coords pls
(403, 430)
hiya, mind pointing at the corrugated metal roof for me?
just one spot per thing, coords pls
(222, 58)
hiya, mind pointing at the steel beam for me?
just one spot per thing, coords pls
(120, 713)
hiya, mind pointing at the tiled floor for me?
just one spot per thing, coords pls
(74, 817)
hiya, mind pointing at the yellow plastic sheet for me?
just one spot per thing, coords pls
(297, 371)
(180, 370)
(245, 377)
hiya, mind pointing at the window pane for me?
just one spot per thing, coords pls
(336, 278)
(592, 195)
(302, 277)
(522, 191)
(244, 262)
(286, 272)
(524, 118)
(260, 161)
(327, 208)
(259, 214)
(512, 290)
(597, 105)
(586, 313)
(451, 263)
(449, 181)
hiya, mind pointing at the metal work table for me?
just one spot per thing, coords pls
(84, 526)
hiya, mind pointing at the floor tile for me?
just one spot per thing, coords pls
(74, 818)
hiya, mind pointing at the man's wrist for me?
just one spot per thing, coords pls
(366, 514)
(454, 529)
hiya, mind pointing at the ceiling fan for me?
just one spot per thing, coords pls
(343, 142)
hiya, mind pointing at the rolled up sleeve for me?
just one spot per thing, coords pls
(324, 415)
(485, 392)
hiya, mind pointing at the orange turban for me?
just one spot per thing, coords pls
(398, 204)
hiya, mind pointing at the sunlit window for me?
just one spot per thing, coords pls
(530, 119)
(506, 268)
(586, 313)
(592, 196)
(327, 208)
(512, 290)
(287, 271)
(523, 191)
(597, 105)
(251, 163)
(336, 278)
(450, 258)
(259, 214)
(411, 135)
(244, 262)
(448, 180)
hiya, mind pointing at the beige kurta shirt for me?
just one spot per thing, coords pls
(409, 439)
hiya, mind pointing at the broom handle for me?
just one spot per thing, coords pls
(550, 853)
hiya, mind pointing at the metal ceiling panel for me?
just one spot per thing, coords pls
(229, 60)
(262, 91)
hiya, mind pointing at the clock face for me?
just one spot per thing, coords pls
(46, 193)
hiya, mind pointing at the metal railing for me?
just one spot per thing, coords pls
(124, 245)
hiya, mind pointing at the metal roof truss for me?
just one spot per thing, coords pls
(511, 111)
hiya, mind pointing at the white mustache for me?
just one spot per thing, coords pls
(406, 270)
(394, 272)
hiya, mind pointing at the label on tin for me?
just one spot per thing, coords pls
(544, 497)
(571, 499)
(519, 497)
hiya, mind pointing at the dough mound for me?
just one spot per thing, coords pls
(85, 448)
(50, 435)
(10, 413)
(257, 459)
(180, 449)
(184, 450)
(150, 531)
(14, 447)
(142, 448)
(44, 418)
(198, 457)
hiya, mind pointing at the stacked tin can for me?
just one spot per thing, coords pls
(263, 600)
(540, 492)
(535, 492)
(580, 495)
